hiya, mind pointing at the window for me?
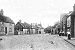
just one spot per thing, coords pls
(2, 29)
(3, 23)
(10, 29)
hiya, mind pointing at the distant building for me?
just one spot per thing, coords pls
(22, 28)
(25, 28)
(37, 28)
(40, 29)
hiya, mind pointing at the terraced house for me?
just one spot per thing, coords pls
(68, 22)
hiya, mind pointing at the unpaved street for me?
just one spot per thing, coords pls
(34, 42)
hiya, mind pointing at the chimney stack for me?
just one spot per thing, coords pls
(1, 12)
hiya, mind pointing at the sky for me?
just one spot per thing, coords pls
(46, 12)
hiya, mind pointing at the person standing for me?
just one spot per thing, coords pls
(69, 34)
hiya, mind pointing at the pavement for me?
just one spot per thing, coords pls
(72, 41)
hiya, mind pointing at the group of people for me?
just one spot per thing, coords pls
(63, 33)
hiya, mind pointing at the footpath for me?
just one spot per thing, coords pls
(72, 41)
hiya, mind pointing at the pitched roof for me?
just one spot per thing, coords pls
(26, 25)
(40, 26)
(5, 19)
(18, 26)
(8, 20)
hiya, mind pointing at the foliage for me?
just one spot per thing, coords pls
(48, 29)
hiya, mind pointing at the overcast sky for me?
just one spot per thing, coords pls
(46, 12)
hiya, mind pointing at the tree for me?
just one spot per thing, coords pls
(48, 29)
(5, 18)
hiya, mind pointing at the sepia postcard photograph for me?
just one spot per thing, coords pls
(37, 24)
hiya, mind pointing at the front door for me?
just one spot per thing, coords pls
(5, 30)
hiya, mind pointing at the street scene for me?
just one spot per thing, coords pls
(37, 25)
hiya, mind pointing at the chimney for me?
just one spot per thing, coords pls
(1, 12)
(74, 7)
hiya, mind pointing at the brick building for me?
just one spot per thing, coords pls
(68, 22)
(72, 22)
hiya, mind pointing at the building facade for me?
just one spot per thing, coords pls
(63, 23)
(6, 28)
(68, 22)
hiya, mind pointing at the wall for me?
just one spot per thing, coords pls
(74, 26)
(42, 31)
(2, 29)
(25, 31)
(39, 30)
(10, 28)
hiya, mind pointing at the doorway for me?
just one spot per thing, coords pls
(5, 30)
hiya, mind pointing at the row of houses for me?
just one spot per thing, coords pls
(8, 27)
(25, 28)
(67, 22)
